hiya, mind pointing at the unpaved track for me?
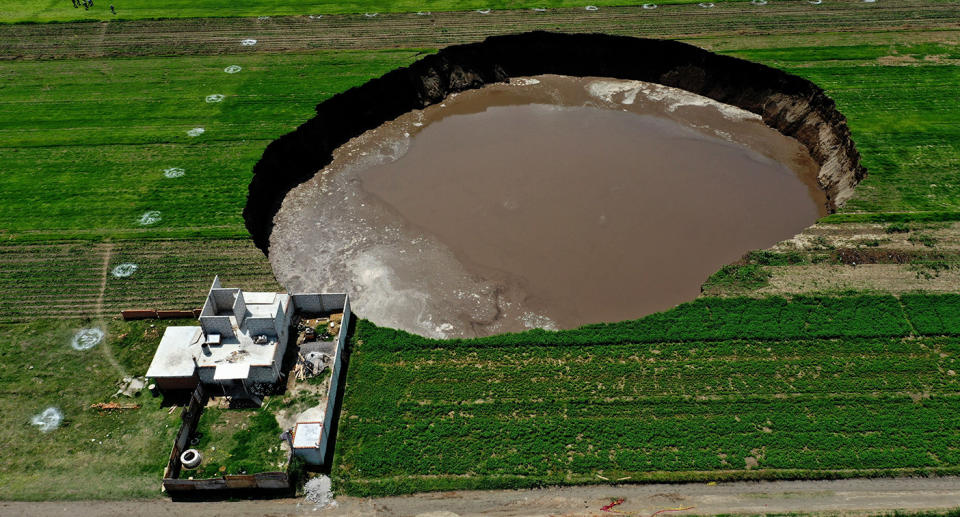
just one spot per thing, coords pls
(209, 36)
(852, 496)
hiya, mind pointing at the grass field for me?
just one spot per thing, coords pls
(58, 10)
(93, 114)
(104, 145)
(93, 454)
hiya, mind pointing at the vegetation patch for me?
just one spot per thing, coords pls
(737, 278)
(523, 414)
(237, 441)
(124, 450)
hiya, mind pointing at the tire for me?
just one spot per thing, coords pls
(191, 458)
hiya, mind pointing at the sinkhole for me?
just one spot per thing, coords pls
(549, 200)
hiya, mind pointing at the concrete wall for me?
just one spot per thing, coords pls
(310, 455)
(178, 383)
(209, 307)
(239, 308)
(283, 332)
(335, 373)
(256, 326)
(259, 374)
(224, 299)
(318, 303)
(217, 324)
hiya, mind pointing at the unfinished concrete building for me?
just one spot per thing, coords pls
(240, 342)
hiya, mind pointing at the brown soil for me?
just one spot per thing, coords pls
(848, 497)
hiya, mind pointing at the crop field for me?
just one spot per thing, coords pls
(829, 355)
(522, 415)
(53, 10)
(794, 24)
(108, 147)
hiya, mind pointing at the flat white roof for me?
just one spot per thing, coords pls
(174, 357)
(231, 371)
(306, 435)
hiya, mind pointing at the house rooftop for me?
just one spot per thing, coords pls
(174, 356)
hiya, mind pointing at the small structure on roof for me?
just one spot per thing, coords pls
(241, 339)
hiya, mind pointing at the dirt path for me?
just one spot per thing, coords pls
(99, 310)
(852, 496)
(209, 36)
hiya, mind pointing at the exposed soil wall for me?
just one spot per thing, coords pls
(792, 105)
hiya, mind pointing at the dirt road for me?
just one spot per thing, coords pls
(852, 496)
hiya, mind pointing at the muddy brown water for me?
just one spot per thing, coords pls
(549, 202)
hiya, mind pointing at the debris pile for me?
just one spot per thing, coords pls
(317, 491)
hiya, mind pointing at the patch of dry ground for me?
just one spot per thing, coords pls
(888, 278)
(849, 497)
(833, 258)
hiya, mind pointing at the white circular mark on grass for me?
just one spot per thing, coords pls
(232, 69)
(758, 2)
(649, 6)
(483, 11)
(592, 8)
(149, 217)
(197, 131)
(248, 42)
(48, 419)
(706, 5)
(85, 339)
(216, 97)
(370, 15)
(173, 172)
(124, 270)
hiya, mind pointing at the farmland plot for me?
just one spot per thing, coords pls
(745, 409)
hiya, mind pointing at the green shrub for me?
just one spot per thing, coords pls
(738, 278)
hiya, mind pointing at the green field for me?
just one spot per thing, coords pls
(520, 413)
(59, 10)
(91, 115)
(93, 454)
(102, 132)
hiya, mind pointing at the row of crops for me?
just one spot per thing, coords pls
(431, 416)
(729, 388)
(66, 279)
(772, 318)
